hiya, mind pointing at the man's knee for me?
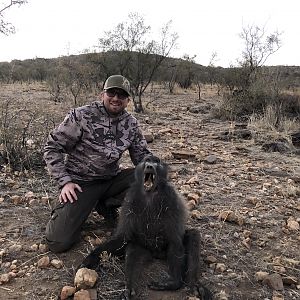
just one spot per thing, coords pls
(58, 239)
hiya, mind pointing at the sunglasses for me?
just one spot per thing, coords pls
(113, 92)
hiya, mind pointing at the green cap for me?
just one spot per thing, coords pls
(117, 81)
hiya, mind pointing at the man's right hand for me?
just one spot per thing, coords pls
(68, 192)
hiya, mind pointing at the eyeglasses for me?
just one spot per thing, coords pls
(113, 92)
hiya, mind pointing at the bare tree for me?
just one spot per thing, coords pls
(136, 56)
(259, 46)
(6, 27)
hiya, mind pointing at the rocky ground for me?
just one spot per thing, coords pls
(244, 201)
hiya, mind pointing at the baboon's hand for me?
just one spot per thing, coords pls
(128, 295)
(201, 291)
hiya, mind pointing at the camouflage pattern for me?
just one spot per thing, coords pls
(93, 143)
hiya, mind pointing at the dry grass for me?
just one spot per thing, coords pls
(267, 125)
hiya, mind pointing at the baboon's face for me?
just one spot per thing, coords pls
(152, 170)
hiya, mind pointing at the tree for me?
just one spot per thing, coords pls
(251, 84)
(134, 54)
(6, 27)
(186, 71)
(258, 48)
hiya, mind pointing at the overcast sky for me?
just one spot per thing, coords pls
(52, 28)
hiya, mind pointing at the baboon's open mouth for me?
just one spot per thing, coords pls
(149, 179)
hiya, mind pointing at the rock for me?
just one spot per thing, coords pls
(66, 292)
(274, 281)
(183, 154)
(4, 278)
(277, 296)
(44, 200)
(252, 200)
(43, 262)
(82, 295)
(292, 224)
(247, 243)
(211, 159)
(195, 214)
(222, 295)
(16, 199)
(280, 147)
(210, 259)
(275, 171)
(85, 278)
(193, 180)
(56, 263)
(191, 205)
(43, 248)
(230, 216)
(220, 267)
(29, 195)
(34, 247)
(296, 139)
(93, 294)
(149, 137)
(15, 248)
(194, 196)
(289, 280)
(260, 275)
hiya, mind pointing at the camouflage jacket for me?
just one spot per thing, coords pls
(93, 143)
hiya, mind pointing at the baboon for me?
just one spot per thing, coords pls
(152, 222)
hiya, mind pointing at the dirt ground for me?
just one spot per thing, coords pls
(244, 201)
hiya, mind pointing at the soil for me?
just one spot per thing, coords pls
(244, 201)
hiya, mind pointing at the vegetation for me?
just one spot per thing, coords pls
(7, 27)
(248, 90)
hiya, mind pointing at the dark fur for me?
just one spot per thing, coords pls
(152, 221)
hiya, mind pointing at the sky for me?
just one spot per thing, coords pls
(53, 28)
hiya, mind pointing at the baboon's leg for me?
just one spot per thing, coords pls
(134, 263)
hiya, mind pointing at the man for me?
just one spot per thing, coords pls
(82, 154)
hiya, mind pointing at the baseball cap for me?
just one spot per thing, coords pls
(117, 81)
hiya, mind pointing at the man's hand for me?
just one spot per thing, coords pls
(68, 192)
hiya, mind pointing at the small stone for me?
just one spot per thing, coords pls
(289, 280)
(34, 247)
(82, 295)
(211, 159)
(16, 199)
(43, 262)
(4, 278)
(43, 248)
(210, 259)
(220, 267)
(260, 275)
(191, 205)
(29, 195)
(193, 196)
(277, 296)
(66, 292)
(274, 281)
(195, 214)
(85, 278)
(247, 243)
(230, 216)
(15, 248)
(292, 224)
(56, 263)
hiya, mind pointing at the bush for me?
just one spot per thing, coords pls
(22, 135)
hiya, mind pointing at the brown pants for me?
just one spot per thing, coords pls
(66, 221)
